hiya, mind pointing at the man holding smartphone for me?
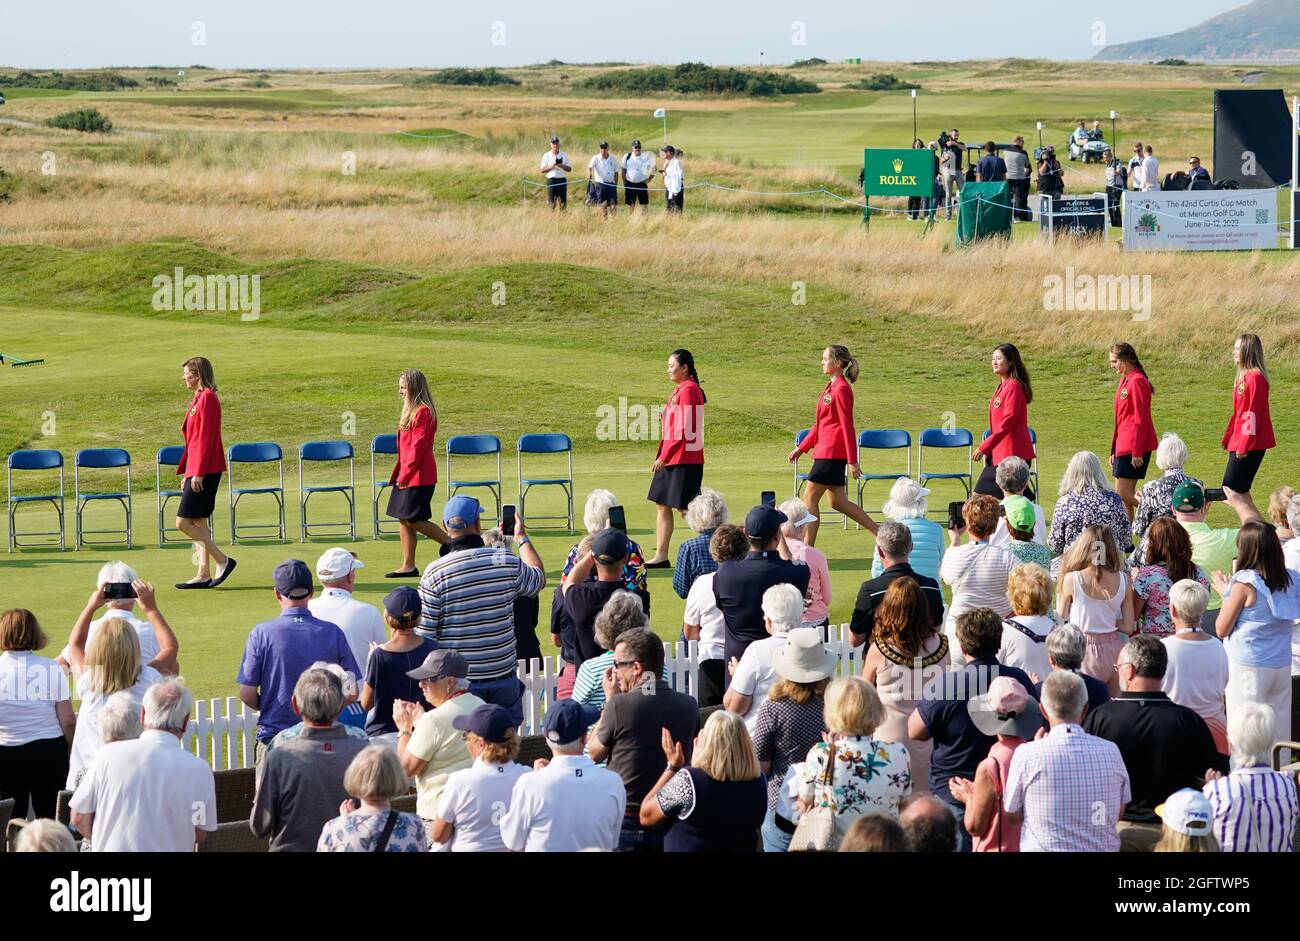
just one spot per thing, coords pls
(556, 168)
(584, 600)
(115, 581)
(1214, 549)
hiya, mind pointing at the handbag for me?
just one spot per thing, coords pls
(817, 830)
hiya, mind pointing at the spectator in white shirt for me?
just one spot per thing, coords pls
(602, 173)
(1291, 548)
(754, 674)
(1197, 673)
(475, 798)
(149, 795)
(977, 571)
(674, 192)
(638, 171)
(361, 623)
(1135, 167)
(555, 167)
(121, 574)
(1150, 171)
(1024, 634)
(567, 804)
(1012, 477)
(703, 619)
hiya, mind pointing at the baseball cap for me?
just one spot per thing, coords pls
(489, 722)
(1020, 513)
(337, 563)
(669, 149)
(1006, 709)
(763, 522)
(609, 546)
(465, 509)
(567, 719)
(604, 144)
(636, 143)
(1188, 497)
(402, 603)
(555, 140)
(1187, 811)
(439, 665)
(293, 579)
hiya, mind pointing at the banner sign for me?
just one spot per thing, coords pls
(1080, 216)
(1200, 220)
(897, 172)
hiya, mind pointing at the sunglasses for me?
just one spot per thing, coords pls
(620, 664)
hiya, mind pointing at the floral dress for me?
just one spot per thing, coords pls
(358, 833)
(870, 777)
(1074, 512)
(1152, 583)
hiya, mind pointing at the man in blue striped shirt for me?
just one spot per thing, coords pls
(468, 596)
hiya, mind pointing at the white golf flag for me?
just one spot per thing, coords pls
(661, 112)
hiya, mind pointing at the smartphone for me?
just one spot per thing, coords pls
(118, 591)
(508, 519)
(617, 519)
(769, 498)
(1215, 495)
(955, 519)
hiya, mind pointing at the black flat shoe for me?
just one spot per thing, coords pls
(206, 583)
(664, 564)
(225, 572)
(412, 573)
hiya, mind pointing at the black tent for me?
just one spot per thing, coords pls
(1252, 131)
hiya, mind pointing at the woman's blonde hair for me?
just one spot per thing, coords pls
(1252, 354)
(846, 359)
(499, 753)
(1171, 841)
(113, 657)
(853, 707)
(797, 693)
(1029, 589)
(376, 775)
(1277, 504)
(417, 394)
(1095, 546)
(724, 750)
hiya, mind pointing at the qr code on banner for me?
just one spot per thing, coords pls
(1261, 217)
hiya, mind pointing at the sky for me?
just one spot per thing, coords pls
(438, 33)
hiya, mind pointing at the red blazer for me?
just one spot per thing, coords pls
(416, 464)
(1251, 429)
(1008, 424)
(682, 437)
(1135, 433)
(204, 453)
(832, 436)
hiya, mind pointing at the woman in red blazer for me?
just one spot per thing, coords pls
(834, 444)
(1134, 437)
(1250, 432)
(202, 462)
(1008, 419)
(416, 474)
(678, 466)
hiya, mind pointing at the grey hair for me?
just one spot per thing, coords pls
(1191, 599)
(905, 500)
(117, 571)
(596, 513)
(792, 510)
(167, 705)
(319, 694)
(119, 718)
(1082, 474)
(460, 684)
(375, 775)
(1012, 474)
(622, 612)
(1171, 453)
(1064, 696)
(345, 678)
(707, 511)
(783, 606)
(1293, 514)
(894, 539)
(1147, 655)
(1250, 733)
(44, 836)
(574, 747)
(1066, 646)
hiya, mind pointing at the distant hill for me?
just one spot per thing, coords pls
(1261, 31)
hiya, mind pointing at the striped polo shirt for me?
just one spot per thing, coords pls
(468, 598)
(1255, 811)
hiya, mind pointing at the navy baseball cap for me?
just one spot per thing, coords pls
(763, 522)
(567, 720)
(489, 722)
(293, 579)
(555, 140)
(466, 509)
(402, 603)
(609, 546)
(636, 143)
(439, 665)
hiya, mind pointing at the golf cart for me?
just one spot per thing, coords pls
(1088, 151)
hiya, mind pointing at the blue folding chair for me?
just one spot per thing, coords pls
(884, 439)
(262, 452)
(332, 452)
(169, 456)
(945, 439)
(475, 446)
(800, 478)
(34, 460)
(552, 443)
(101, 459)
(380, 444)
(1033, 465)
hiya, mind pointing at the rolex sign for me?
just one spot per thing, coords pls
(898, 172)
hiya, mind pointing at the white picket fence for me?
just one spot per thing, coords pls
(223, 731)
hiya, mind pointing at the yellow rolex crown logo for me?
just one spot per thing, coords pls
(898, 165)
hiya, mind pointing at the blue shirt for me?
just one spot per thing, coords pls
(1262, 635)
(738, 590)
(991, 168)
(693, 560)
(280, 651)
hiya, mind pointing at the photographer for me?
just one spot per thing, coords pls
(1017, 161)
(1051, 177)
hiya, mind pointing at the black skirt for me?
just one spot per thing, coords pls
(411, 504)
(199, 505)
(1240, 475)
(1122, 467)
(829, 472)
(676, 485)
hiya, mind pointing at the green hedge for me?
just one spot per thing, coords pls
(88, 120)
(696, 78)
(466, 77)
